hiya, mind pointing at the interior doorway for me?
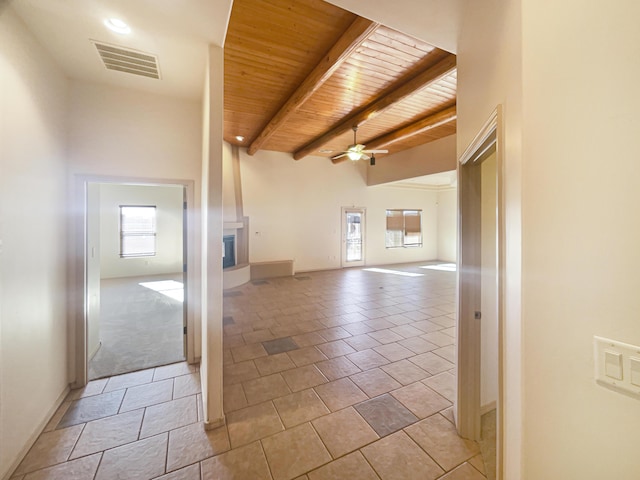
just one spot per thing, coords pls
(135, 279)
(353, 236)
(480, 293)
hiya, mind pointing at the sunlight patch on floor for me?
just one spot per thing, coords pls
(446, 267)
(393, 272)
(169, 288)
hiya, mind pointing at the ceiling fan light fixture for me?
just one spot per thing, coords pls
(353, 156)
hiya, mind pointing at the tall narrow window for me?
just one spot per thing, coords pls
(137, 231)
(404, 228)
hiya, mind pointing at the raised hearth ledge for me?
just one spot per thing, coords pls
(236, 276)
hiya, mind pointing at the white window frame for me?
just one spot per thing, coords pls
(400, 237)
(146, 229)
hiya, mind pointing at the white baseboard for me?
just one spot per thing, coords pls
(219, 422)
(91, 355)
(36, 433)
(488, 407)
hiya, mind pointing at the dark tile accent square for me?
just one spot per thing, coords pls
(92, 408)
(280, 345)
(260, 282)
(228, 321)
(232, 293)
(385, 414)
(302, 278)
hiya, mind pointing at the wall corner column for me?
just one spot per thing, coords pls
(212, 231)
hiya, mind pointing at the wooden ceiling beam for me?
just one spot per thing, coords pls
(406, 87)
(424, 124)
(346, 45)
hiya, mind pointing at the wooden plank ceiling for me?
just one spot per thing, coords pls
(299, 74)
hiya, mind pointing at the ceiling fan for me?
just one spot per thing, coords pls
(357, 151)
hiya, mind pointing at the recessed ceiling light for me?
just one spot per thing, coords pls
(117, 25)
(240, 138)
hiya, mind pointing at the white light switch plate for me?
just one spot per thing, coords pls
(613, 365)
(616, 365)
(635, 371)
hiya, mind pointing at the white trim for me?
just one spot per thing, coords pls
(232, 225)
(36, 433)
(484, 409)
(213, 424)
(78, 299)
(468, 410)
(419, 186)
(363, 230)
(488, 128)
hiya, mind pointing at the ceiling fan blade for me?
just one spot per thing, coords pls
(356, 151)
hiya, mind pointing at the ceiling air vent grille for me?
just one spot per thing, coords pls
(129, 61)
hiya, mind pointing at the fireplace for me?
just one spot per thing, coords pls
(229, 259)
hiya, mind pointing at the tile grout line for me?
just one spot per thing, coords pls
(474, 467)
(95, 474)
(428, 454)
(348, 453)
(367, 460)
(328, 326)
(166, 455)
(266, 459)
(75, 444)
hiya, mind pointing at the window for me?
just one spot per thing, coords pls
(403, 228)
(137, 231)
(354, 236)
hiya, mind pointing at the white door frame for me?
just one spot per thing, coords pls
(363, 224)
(468, 373)
(78, 276)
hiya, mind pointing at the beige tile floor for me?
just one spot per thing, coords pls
(330, 375)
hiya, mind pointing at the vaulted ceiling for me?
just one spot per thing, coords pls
(300, 74)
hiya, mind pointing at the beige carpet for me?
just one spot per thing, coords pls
(139, 327)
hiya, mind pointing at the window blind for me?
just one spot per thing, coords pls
(412, 221)
(395, 220)
(137, 231)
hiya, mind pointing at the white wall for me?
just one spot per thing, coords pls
(571, 216)
(581, 233)
(433, 157)
(122, 132)
(295, 211)
(33, 315)
(378, 200)
(168, 202)
(447, 224)
(490, 73)
(489, 284)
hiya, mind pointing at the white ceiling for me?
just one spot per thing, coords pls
(178, 32)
